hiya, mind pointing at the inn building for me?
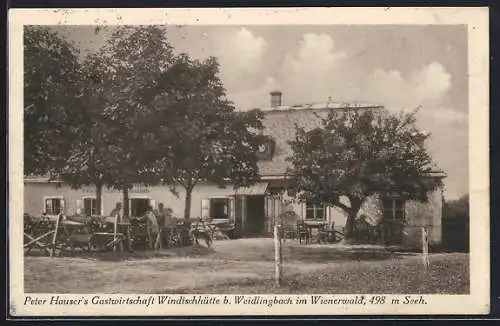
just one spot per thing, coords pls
(252, 210)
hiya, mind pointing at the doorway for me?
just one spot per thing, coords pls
(255, 215)
(138, 206)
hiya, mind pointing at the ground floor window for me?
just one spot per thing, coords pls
(90, 206)
(53, 205)
(394, 209)
(315, 211)
(139, 206)
(218, 208)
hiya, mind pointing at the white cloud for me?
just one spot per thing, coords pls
(432, 82)
(427, 87)
(306, 75)
(318, 70)
(240, 54)
(316, 55)
(309, 74)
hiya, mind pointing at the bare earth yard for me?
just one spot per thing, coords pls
(246, 266)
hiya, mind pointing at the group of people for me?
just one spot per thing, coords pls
(160, 223)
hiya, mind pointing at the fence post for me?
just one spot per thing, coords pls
(54, 238)
(115, 233)
(425, 247)
(277, 255)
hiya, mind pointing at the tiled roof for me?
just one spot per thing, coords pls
(280, 125)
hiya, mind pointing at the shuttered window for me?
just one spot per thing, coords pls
(53, 205)
(90, 206)
(218, 208)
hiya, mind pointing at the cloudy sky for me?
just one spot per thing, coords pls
(401, 67)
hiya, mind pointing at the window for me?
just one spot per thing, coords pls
(139, 206)
(219, 208)
(265, 151)
(315, 212)
(53, 205)
(90, 206)
(394, 209)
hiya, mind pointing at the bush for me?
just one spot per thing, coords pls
(455, 225)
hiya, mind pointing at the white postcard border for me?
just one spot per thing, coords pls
(476, 19)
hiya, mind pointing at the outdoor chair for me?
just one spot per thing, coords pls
(326, 233)
(289, 232)
(303, 232)
(139, 233)
(38, 234)
(330, 233)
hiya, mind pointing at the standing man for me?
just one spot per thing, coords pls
(153, 229)
(160, 217)
(116, 212)
(170, 224)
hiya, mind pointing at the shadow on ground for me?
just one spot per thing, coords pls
(323, 254)
(190, 251)
(261, 250)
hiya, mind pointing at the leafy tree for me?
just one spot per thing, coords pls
(87, 161)
(201, 137)
(52, 99)
(121, 83)
(355, 154)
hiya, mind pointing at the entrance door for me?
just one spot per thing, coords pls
(255, 217)
(138, 206)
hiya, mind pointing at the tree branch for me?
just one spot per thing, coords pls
(342, 206)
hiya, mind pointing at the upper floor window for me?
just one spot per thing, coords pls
(315, 211)
(266, 150)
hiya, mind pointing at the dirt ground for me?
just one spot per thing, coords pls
(246, 266)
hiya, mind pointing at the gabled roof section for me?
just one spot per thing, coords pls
(280, 123)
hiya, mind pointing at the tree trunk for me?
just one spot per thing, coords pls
(126, 202)
(349, 226)
(185, 239)
(351, 218)
(98, 197)
(187, 204)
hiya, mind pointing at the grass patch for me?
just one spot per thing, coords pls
(246, 266)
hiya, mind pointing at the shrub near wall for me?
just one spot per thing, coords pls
(455, 225)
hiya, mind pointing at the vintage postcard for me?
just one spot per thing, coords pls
(298, 161)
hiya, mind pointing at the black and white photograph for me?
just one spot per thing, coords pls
(233, 164)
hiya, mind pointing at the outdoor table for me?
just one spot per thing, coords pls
(315, 225)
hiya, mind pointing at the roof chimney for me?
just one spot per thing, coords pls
(275, 99)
